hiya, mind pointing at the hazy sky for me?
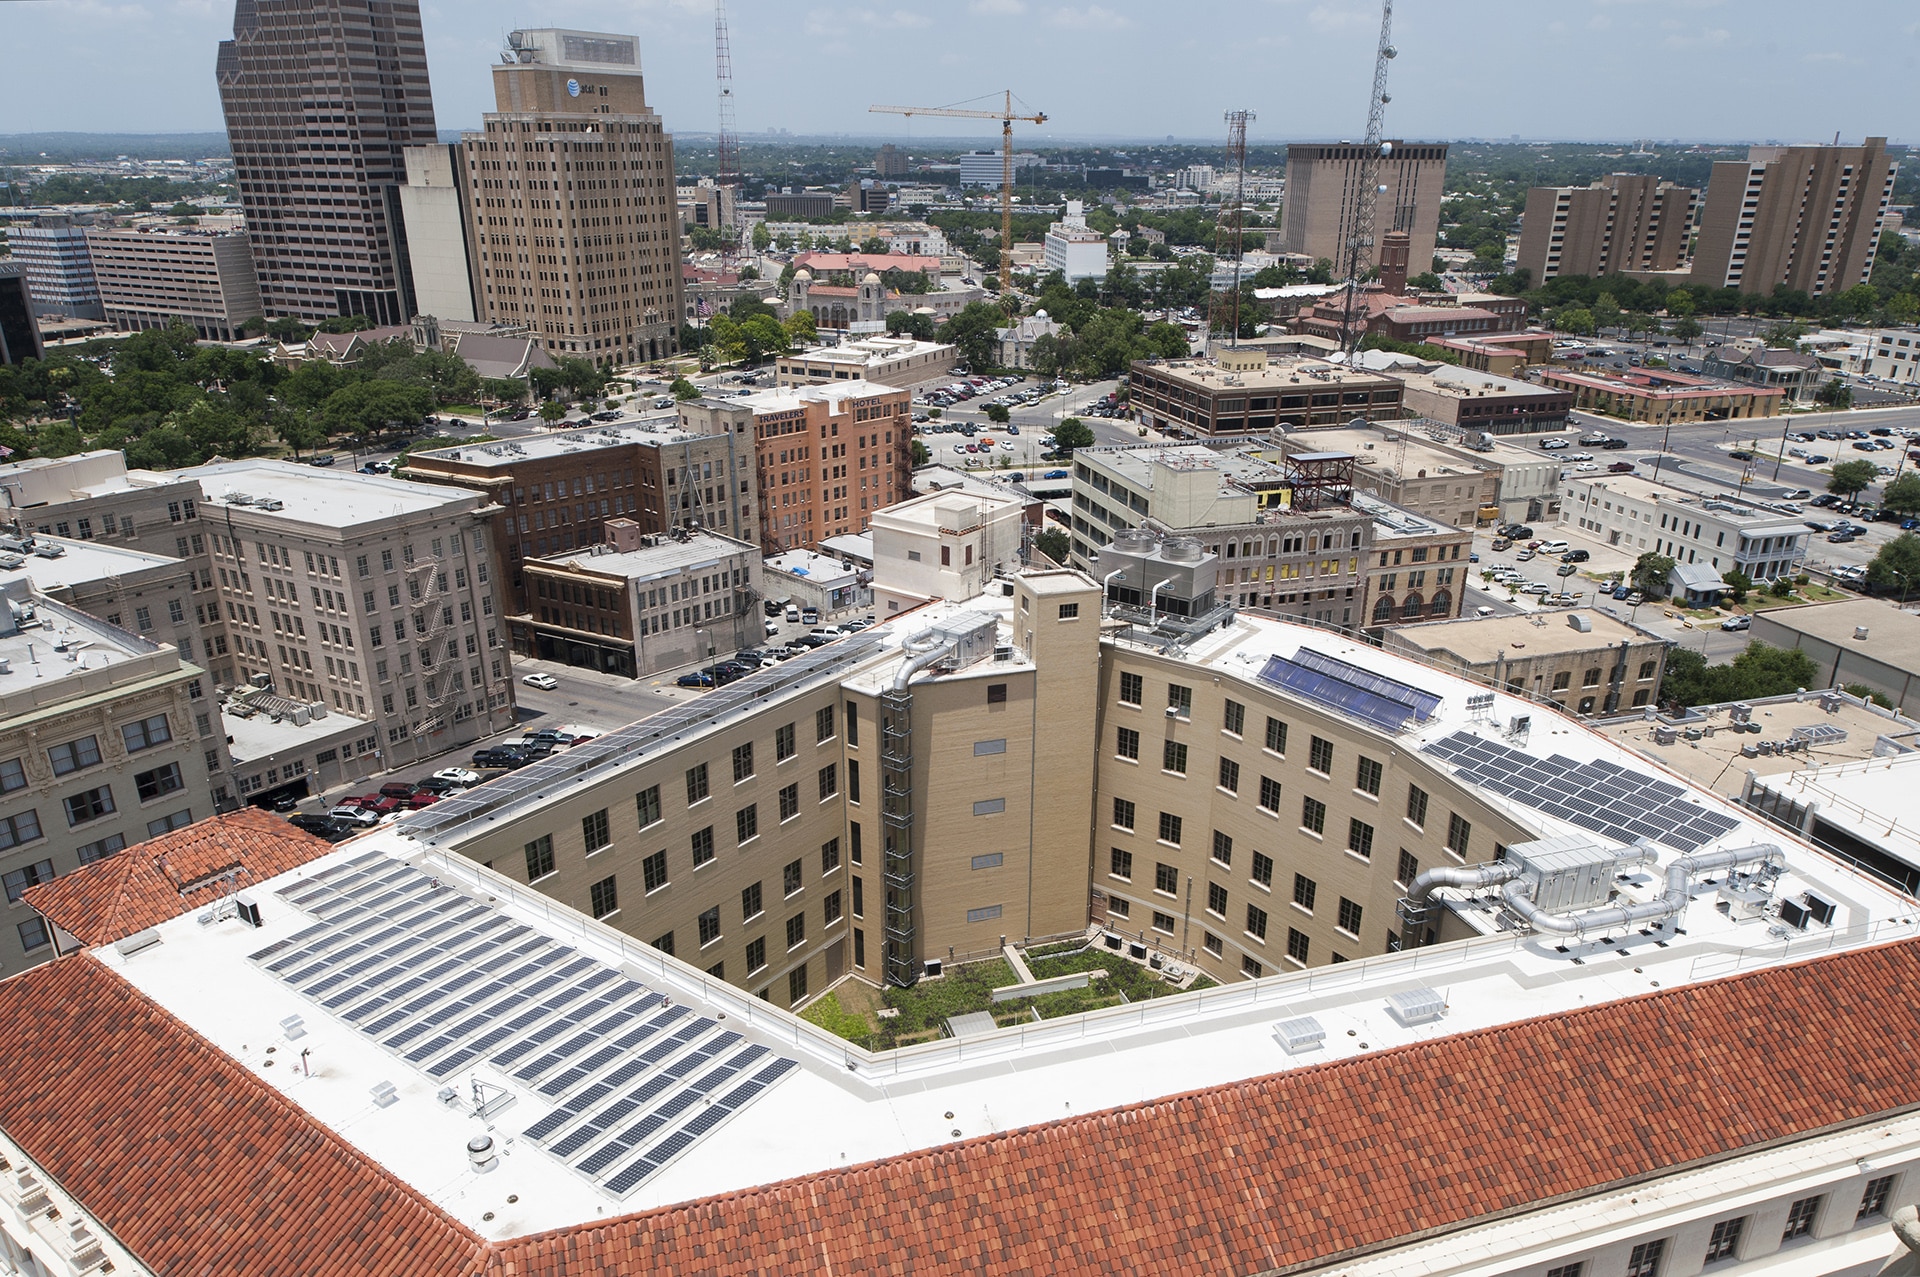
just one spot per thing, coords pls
(1790, 70)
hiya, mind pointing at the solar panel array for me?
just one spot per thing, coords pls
(632, 741)
(1346, 688)
(1601, 796)
(445, 982)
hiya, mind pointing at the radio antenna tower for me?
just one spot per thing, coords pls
(1229, 232)
(1360, 245)
(729, 143)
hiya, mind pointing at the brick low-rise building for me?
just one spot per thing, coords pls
(1242, 394)
(1482, 403)
(1657, 397)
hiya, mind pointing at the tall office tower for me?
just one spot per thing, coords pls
(576, 226)
(19, 336)
(1322, 199)
(321, 97)
(1624, 222)
(1808, 217)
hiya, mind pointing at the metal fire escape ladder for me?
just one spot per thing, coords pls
(896, 819)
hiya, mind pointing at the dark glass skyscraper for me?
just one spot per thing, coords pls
(321, 97)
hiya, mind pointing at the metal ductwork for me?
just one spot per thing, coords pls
(1671, 903)
(1413, 906)
(932, 650)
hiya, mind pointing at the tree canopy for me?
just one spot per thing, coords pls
(1852, 477)
(1896, 568)
(1758, 671)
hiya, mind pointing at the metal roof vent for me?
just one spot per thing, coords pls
(384, 1094)
(481, 1155)
(295, 1027)
(1301, 1034)
(1417, 1006)
(136, 942)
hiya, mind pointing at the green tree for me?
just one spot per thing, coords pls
(874, 246)
(1053, 543)
(1606, 312)
(684, 390)
(1649, 574)
(299, 430)
(997, 413)
(1044, 355)
(921, 456)
(1739, 584)
(365, 408)
(504, 390)
(552, 411)
(1852, 477)
(1784, 336)
(762, 335)
(1835, 394)
(908, 324)
(1072, 433)
(1759, 670)
(1782, 588)
(1896, 568)
(800, 327)
(1686, 328)
(1426, 282)
(975, 331)
(762, 237)
(1574, 319)
(1902, 495)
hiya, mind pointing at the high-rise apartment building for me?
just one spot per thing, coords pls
(53, 248)
(1322, 199)
(1806, 217)
(153, 276)
(321, 98)
(890, 161)
(575, 222)
(1624, 222)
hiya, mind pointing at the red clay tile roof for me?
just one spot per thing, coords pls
(191, 1162)
(1295, 1169)
(165, 877)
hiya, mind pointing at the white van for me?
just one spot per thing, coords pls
(1553, 547)
(793, 612)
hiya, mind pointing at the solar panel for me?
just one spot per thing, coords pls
(1334, 693)
(1421, 702)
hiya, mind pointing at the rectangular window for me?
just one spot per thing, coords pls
(596, 832)
(1873, 1201)
(985, 748)
(1069, 611)
(1304, 891)
(756, 955)
(702, 846)
(831, 909)
(1320, 755)
(792, 877)
(91, 805)
(1313, 815)
(853, 780)
(742, 762)
(1127, 743)
(1250, 967)
(1216, 900)
(1360, 838)
(1263, 868)
(1163, 922)
(1233, 718)
(161, 780)
(1120, 864)
(33, 934)
(95, 850)
(696, 784)
(1215, 945)
(989, 806)
(1407, 870)
(991, 860)
(1123, 813)
(1256, 922)
(746, 823)
(647, 806)
(74, 755)
(1277, 736)
(146, 733)
(1458, 832)
(1132, 686)
(12, 776)
(1416, 805)
(1577, 1268)
(1222, 847)
(1170, 828)
(604, 897)
(750, 902)
(790, 801)
(540, 857)
(1801, 1217)
(1349, 917)
(986, 914)
(823, 723)
(829, 781)
(1368, 779)
(1725, 1241)
(1173, 758)
(829, 856)
(1166, 879)
(1230, 775)
(1180, 700)
(18, 880)
(996, 693)
(1644, 1261)
(709, 926)
(167, 824)
(653, 872)
(796, 986)
(1270, 795)
(1297, 945)
(796, 930)
(784, 745)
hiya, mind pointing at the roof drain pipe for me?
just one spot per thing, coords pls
(1670, 904)
(1414, 907)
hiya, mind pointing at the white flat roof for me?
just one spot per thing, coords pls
(331, 496)
(787, 398)
(820, 569)
(507, 453)
(257, 736)
(82, 561)
(839, 1106)
(1870, 798)
(666, 555)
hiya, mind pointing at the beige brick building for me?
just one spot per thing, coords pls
(1807, 217)
(1322, 205)
(1582, 662)
(1623, 222)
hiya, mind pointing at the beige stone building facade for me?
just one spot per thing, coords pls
(1322, 199)
(151, 276)
(1623, 222)
(1806, 217)
(1583, 662)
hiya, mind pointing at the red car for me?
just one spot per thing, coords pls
(378, 803)
(422, 799)
(397, 789)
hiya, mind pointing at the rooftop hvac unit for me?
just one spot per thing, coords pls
(1568, 873)
(49, 551)
(1417, 1006)
(1740, 713)
(1298, 1035)
(247, 910)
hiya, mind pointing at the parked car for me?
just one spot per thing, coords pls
(1553, 547)
(545, 682)
(1733, 623)
(698, 678)
(1620, 467)
(1612, 444)
(321, 459)
(1551, 444)
(1843, 538)
(351, 815)
(396, 789)
(1575, 556)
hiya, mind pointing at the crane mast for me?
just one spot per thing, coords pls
(1229, 231)
(728, 159)
(1360, 244)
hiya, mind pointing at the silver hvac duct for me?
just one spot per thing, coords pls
(1671, 903)
(938, 651)
(1472, 877)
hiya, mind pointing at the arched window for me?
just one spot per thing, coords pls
(1383, 610)
(1411, 608)
(1442, 604)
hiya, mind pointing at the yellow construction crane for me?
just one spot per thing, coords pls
(1006, 118)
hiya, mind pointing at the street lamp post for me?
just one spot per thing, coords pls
(712, 681)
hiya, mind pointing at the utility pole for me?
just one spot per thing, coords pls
(1360, 244)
